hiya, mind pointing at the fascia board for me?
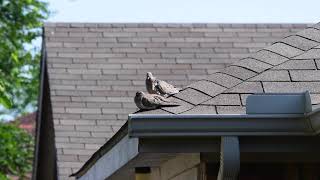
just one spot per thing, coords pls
(217, 125)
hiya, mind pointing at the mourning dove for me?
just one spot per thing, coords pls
(150, 83)
(165, 89)
(156, 86)
(151, 101)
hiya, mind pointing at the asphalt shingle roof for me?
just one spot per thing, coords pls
(295, 71)
(95, 70)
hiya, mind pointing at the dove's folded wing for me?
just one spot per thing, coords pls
(148, 102)
(164, 102)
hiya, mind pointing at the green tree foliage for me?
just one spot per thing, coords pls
(20, 24)
(16, 151)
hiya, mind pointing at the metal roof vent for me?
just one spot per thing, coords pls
(279, 103)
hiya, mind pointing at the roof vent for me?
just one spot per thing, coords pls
(279, 103)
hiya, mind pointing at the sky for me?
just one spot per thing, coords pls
(185, 11)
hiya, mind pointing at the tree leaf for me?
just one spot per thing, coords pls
(5, 101)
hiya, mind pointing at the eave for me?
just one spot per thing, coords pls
(141, 131)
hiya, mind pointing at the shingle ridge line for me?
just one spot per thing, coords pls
(183, 100)
(212, 81)
(208, 94)
(226, 74)
(273, 52)
(201, 91)
(204, 105)
(243, 67)
(187, 86)
(261, 61)
(304, 38)
(288, 45)
(299, 54)
(223, 105)
(256, 60)
(186, 110)
(167, 111)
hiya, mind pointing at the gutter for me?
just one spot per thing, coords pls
(286, 114)
(188, 125)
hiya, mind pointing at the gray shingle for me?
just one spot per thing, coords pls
(244, 98)
(202, 110)
(310, 33)
(223, 79)
(253, 65)
(239, 72)
(192, 96)
(284, 50)
(288, 87)
(224, 99)
(269, 57)
(297, 64)
(311, 54)
(317, 63)
(316, 26)
(315, 98)
(299, 42)
(184, 106)
(246, 87)
(208, 87)
(305, 75)
(271, 75)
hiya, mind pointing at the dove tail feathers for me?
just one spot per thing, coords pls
(170, 105)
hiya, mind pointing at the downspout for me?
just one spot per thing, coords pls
(229, 158)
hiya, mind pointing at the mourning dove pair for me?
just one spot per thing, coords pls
(156, 86)
(157, 90)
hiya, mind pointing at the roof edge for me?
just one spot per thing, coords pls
(39, 111)
(171, 24)
(187, 125)
(142, 125)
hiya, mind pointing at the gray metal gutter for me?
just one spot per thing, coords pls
(188, 125)
(209, 125)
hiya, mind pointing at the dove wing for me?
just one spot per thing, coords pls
(161, 101)
(148, 102)
(166, 88)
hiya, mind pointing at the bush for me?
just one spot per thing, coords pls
(16, 151)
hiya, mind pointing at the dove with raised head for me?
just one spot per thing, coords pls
(150, 85)
(156, 86)
(151, 101)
